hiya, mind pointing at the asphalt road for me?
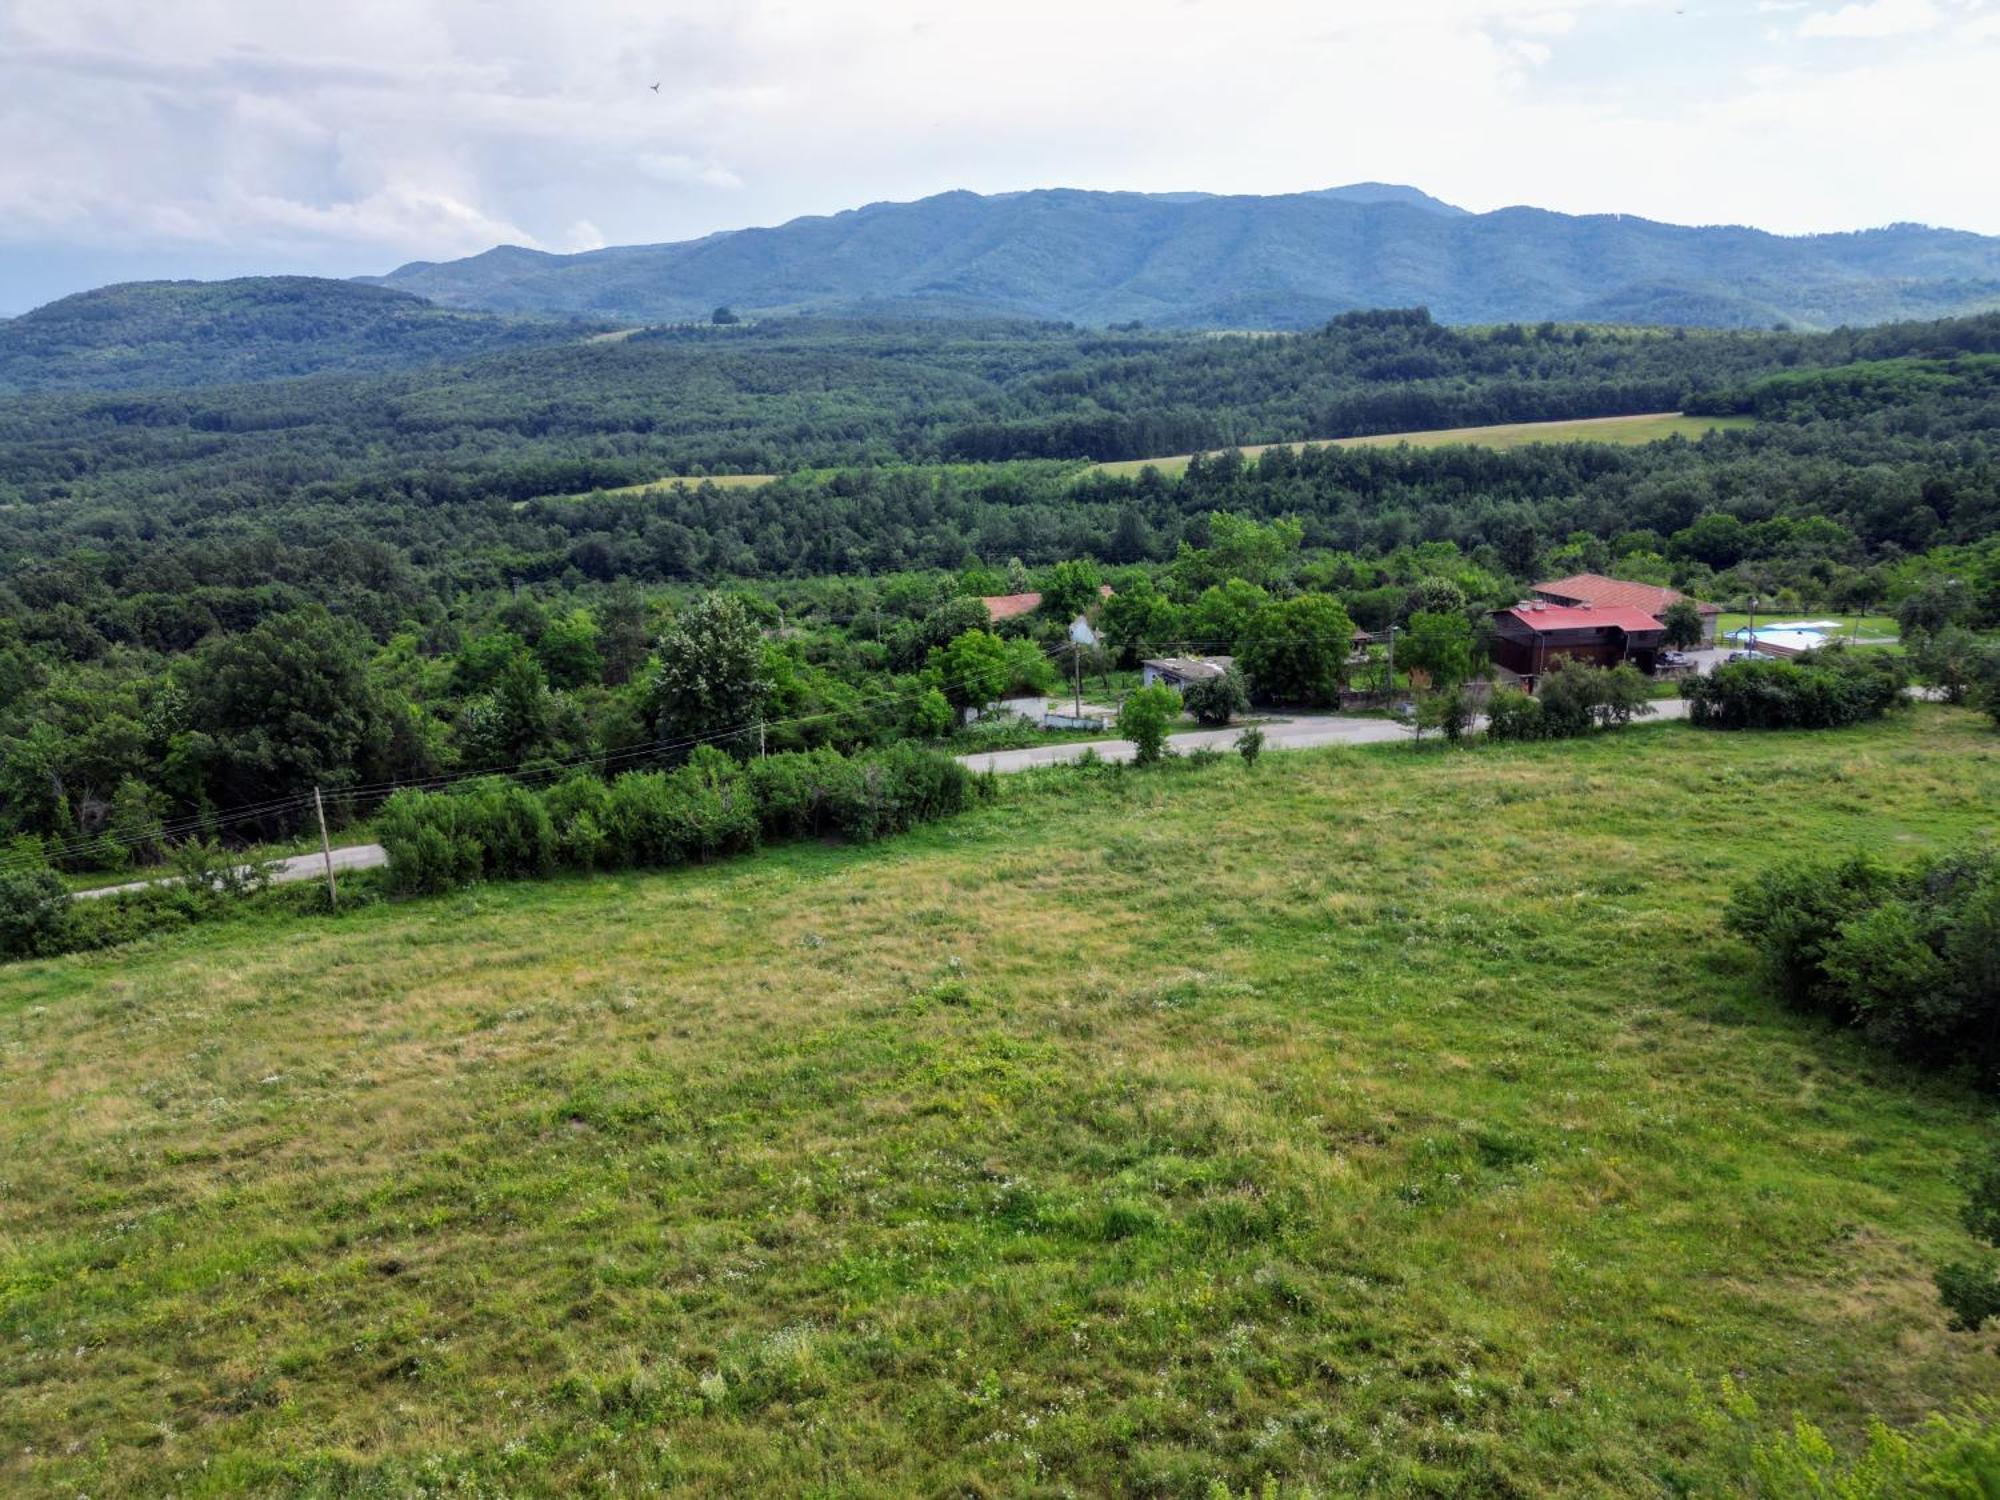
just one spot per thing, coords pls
(1306, 732)
(285, 872)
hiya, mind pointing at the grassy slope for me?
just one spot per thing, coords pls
(1650, 428)
(1378, 1117)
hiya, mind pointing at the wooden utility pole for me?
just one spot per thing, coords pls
(325, 849)
(1076, 651)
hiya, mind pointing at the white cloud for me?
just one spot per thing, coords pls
(1873, 19)
(346, 138)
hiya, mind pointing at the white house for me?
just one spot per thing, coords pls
(1177, 672)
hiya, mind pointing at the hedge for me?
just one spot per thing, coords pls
(710, 808)
(1820, 690)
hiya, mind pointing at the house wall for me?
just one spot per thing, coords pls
(1528, 652)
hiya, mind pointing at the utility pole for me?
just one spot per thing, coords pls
(1390, 685)
(1076, 654)
(760, 739)
(326, 850)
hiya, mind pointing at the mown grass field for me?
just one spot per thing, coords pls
(1649, 428)
(1376, 1120)
(1875, 630)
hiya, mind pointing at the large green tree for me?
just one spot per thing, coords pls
(289, 705)
(972, 669)
(709, 682)
(1439, 646)
(1296, 650)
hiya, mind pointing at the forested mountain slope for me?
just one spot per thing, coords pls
(188, 333)
(1197, 260)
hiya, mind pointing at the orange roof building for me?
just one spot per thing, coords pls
(1618, 593)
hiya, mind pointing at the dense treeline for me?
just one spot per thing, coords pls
(217, 600)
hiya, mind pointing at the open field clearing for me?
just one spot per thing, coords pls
(720, 481)
(1648, 428)
(1375, 1119)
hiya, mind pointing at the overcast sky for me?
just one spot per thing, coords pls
(222, 137)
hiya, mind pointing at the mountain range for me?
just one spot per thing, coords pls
(1200, 260)
(1167, 261)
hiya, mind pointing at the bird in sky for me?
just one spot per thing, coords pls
(656, 88)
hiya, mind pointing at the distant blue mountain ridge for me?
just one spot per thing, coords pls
(1201, 260)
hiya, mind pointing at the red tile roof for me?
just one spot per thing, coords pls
(1007, 606)
(1595, 588)
(1583, 617)
(1010, 606)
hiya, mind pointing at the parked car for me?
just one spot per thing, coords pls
(1744, 656)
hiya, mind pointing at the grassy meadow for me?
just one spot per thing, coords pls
(1377, 1120)
(1652, 427)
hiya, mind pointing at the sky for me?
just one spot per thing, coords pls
(212, 138)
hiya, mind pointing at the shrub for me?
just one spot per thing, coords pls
(898, 789)
(1823, 689)
(1947, 1456)
(1144, 718)
(579, 809)
(1911, 957)
(1250, 745)
(709, 808)
(1512, 715)
(1217, 700)
(34, 912)
(796, 793)
(429, 851)
(1577, 698)
(1447, 711)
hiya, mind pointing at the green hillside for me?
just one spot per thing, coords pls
(182, 333)
(1199, 260)
(1376, 1121)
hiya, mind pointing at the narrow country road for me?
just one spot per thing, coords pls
(1305, 732)
(283, 872)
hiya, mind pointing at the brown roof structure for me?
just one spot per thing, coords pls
(1012, 606)
(1547, 618)
(1595, 588)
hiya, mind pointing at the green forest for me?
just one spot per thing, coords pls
(220, 597)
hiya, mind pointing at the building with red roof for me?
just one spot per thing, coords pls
(1534, 633)
(1012, 606)
(1597, 590)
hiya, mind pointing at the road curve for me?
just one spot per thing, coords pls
(1306, 732)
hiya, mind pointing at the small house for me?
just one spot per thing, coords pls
(1180, 672)
(1534, 633)
(1600, 592)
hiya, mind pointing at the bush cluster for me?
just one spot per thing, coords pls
(1820, 690)
(1910, 956)
(1575, 699)
(39, 918)
(711, 807)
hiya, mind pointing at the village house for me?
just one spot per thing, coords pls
(1534, 633)
(1178, 672)
(1601, 592)
(1012, 606)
